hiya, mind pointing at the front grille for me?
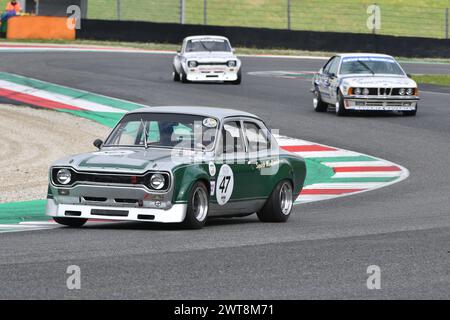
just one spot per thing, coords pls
(385, 91)
(109, 179)
(212, 63)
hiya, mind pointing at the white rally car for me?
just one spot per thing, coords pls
(206, 58)
(364, 82)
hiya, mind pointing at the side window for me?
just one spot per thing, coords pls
(329, 65)
(231, 139)
(256, 138)
(334, 66)
(326, 68)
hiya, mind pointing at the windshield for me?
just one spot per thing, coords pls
(164, 130)
(210, 45)
(371, 65)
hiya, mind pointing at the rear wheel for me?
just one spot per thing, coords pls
(319, 105)
(410, 113)
(340, 108)
(279, 206)
(71, 222)
(198, 206)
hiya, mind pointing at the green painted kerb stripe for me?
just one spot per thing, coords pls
(16, 212)
(76, 94)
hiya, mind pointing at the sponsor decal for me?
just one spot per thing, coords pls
(224, 185)
(212, 168)
(114, 153)
(210, 122)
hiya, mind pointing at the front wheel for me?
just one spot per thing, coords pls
(340, 107)
(411, 113)
(198, 206)
(70, 222)
(239, 78)
(176, 75)
(279, 206)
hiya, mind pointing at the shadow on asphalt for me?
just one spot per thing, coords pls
(211, 223)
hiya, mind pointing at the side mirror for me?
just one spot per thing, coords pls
(409, 75)
(332, 75)
(178, 51)
(98, 143)
(321, 70)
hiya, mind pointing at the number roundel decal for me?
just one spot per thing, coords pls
(224, 184)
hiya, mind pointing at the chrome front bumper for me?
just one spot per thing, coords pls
(212, 74)
(175, 214)
(381, 103)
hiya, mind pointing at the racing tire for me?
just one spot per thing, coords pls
(410, 113)
(239, 78)
(70, 222)
(340, 109)
(318, 104)
(183, 76)
(176, 75)
(198, 207)
(278, 207)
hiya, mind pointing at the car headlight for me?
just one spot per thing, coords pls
(192, 64)
(157, 181)
(357, 91)
(410, 91)
(365, 91)
(64, 176)
(231, 63)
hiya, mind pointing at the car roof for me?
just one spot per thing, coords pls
(359, 54)
(205, 36)
(219, 113)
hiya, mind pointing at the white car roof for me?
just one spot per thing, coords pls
(355, 55)
(204, 37)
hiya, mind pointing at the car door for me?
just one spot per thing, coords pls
(263, 163)
(333, 79)
(325, 78)
(233, 179)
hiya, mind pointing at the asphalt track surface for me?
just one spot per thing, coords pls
(324, 249)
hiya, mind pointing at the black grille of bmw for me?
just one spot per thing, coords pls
(104, 178)
(385, 91)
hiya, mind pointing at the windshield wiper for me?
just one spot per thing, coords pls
(206, 48)
(366, 66)
(145, 133)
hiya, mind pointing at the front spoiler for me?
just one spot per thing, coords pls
(380, 104)
(175, 214)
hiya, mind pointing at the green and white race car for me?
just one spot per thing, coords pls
(178, 165)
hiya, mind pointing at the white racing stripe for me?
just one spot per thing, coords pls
(344, 185)
(359, 174)
(357, 164)
(76, 102)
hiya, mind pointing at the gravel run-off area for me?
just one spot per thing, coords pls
(30, 140)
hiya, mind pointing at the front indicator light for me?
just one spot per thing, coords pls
(63, 176)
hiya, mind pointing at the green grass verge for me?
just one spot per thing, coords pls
(424, 18)
(435, 79)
